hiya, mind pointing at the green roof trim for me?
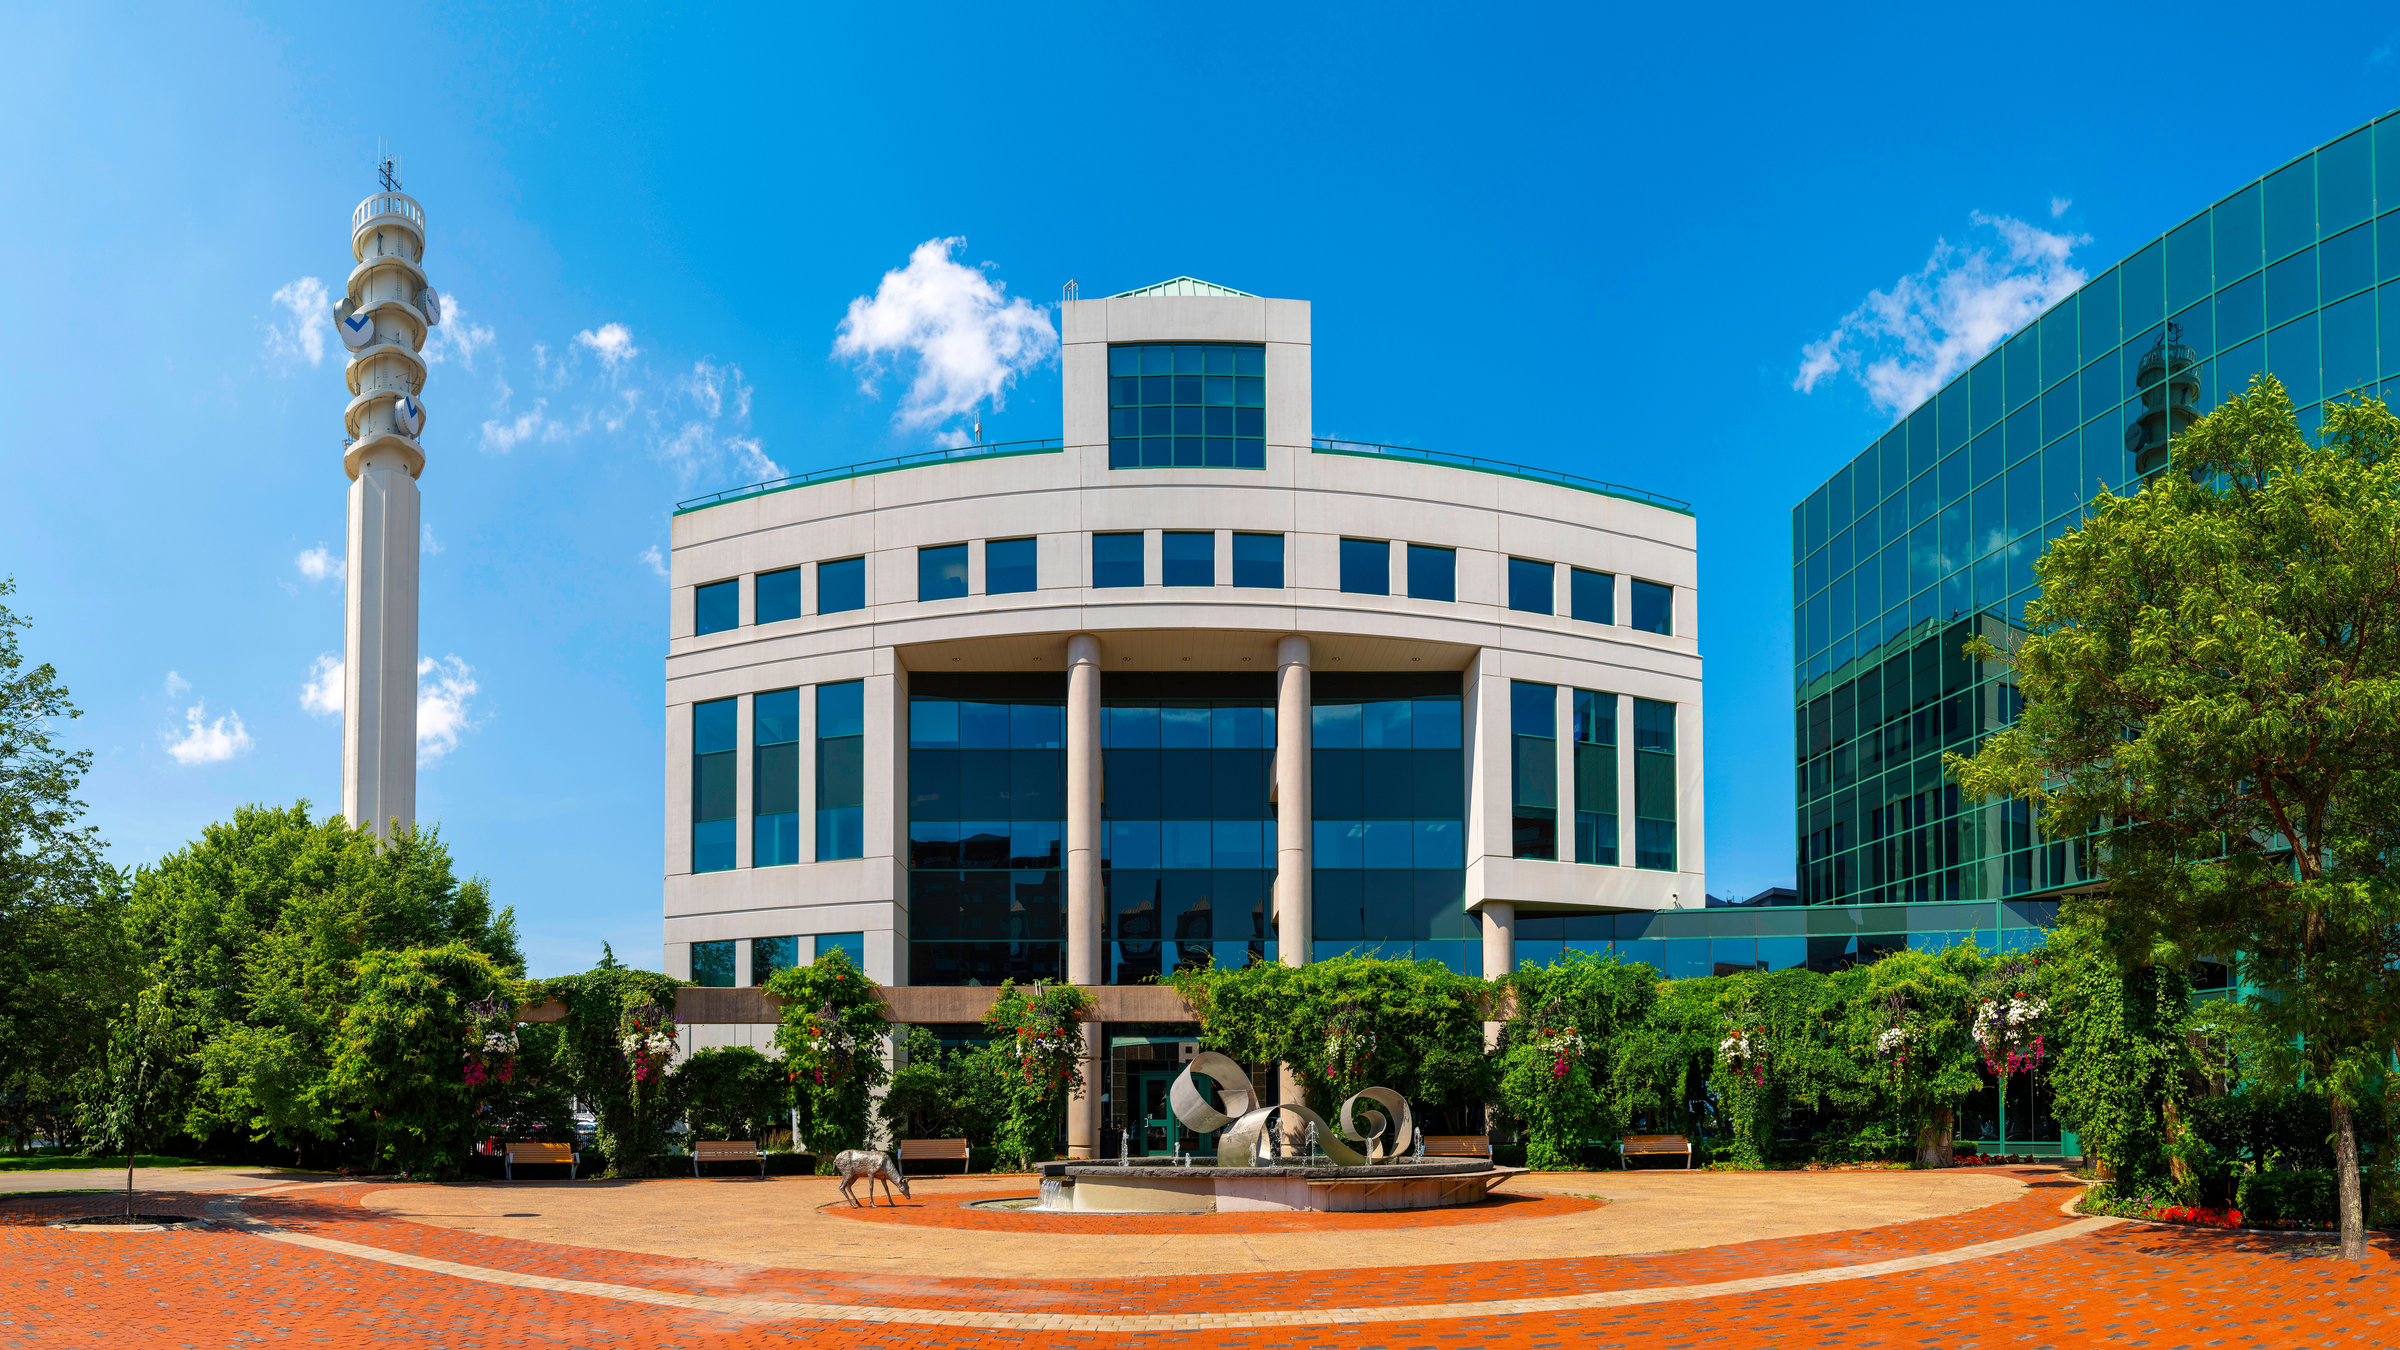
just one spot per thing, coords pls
(1002, 450)
(1369, 450)
(1185, 286)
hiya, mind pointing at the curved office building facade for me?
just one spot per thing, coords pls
(1928, 536)
(1184, 685)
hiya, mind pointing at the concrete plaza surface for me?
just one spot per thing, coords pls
(785, 1221)
(1994, 1262)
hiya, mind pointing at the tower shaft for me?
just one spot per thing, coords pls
(383, 320)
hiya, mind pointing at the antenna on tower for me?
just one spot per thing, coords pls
(387, 166)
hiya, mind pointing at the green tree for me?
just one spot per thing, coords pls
(1037, 1054)
(1415, 1027)
(1906, 1027)
(733, 1092)
(66, 965)
(258, 930)
(1558, 1071)
(142, 1083)
(834, 1041)
(404, 1046)
(944, 1094)
(633, 1114)
(2213, 670)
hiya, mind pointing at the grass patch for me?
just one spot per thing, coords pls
(72, 1163)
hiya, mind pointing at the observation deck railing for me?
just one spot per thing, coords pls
(1048, 445)
(1326, 446)
(387, 204)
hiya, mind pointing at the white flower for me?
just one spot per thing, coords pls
(499, 1042)
(1891, 1040)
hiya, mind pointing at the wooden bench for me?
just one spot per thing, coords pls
(549, 1155)
(1653, 1143)
(727, 1150)
(1458, 1146)
(933, 1150)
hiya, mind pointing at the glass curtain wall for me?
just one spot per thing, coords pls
(775, 779)
(1929, 535)
(987, 780)
(1389, 820)
(1595, 778)
(1188, 848)
(841, 770)
(712, 785)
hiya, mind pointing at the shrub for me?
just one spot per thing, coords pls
(731, 1093)
(2288, 1200)
(834, 1040)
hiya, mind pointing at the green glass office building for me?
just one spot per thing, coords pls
(1929, 535)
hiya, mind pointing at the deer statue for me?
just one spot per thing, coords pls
(873, 1165)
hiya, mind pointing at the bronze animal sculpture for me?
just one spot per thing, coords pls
(874, 1165)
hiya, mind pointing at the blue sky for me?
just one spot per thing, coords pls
(1601, 239)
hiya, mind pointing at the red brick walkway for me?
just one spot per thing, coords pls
(2127, 1286)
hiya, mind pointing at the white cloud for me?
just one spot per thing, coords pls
(443, 688)
(321, 692)
(657, 564)
(454, 336)
(611, 342)
(969, 342)
(1906, 343)
(2059, 205)
(209, 742)
(319, 564)
(505, 435)
(427, 543)
(718, 429)
(303, 339)
(177, 686)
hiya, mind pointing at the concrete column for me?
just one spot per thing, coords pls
(379, 671)
(1499, 938)
(1083, 1105)
(1085, 910)
(1293, 919)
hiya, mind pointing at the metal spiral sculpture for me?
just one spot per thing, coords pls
(1385, 1134)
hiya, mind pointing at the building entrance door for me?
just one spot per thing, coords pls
(1155, 1129)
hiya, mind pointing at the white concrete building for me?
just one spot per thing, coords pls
(1183, 684)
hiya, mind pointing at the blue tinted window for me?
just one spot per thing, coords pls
(712, 785)
(1008, 566)
(777, 596)
(1530, 585)
(1594, 596)
(775, 717)
(1654, 784)
(841, 585)
(851, 945)
(942, 572)
(717, 607)
(1188, 558)
(1258, 560)
(1533, 768)
(1191, 405)
(1117, 559)
(841, 770)
(1367, 566)
(1653, 607)
(712, 726)
(1432, 572)
(771, 954)
(712, 964)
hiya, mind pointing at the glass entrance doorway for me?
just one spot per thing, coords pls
(1156, 1132)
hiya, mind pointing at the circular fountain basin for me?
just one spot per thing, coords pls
(1105, 1189)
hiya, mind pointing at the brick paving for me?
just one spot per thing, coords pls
(2130, 1286)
